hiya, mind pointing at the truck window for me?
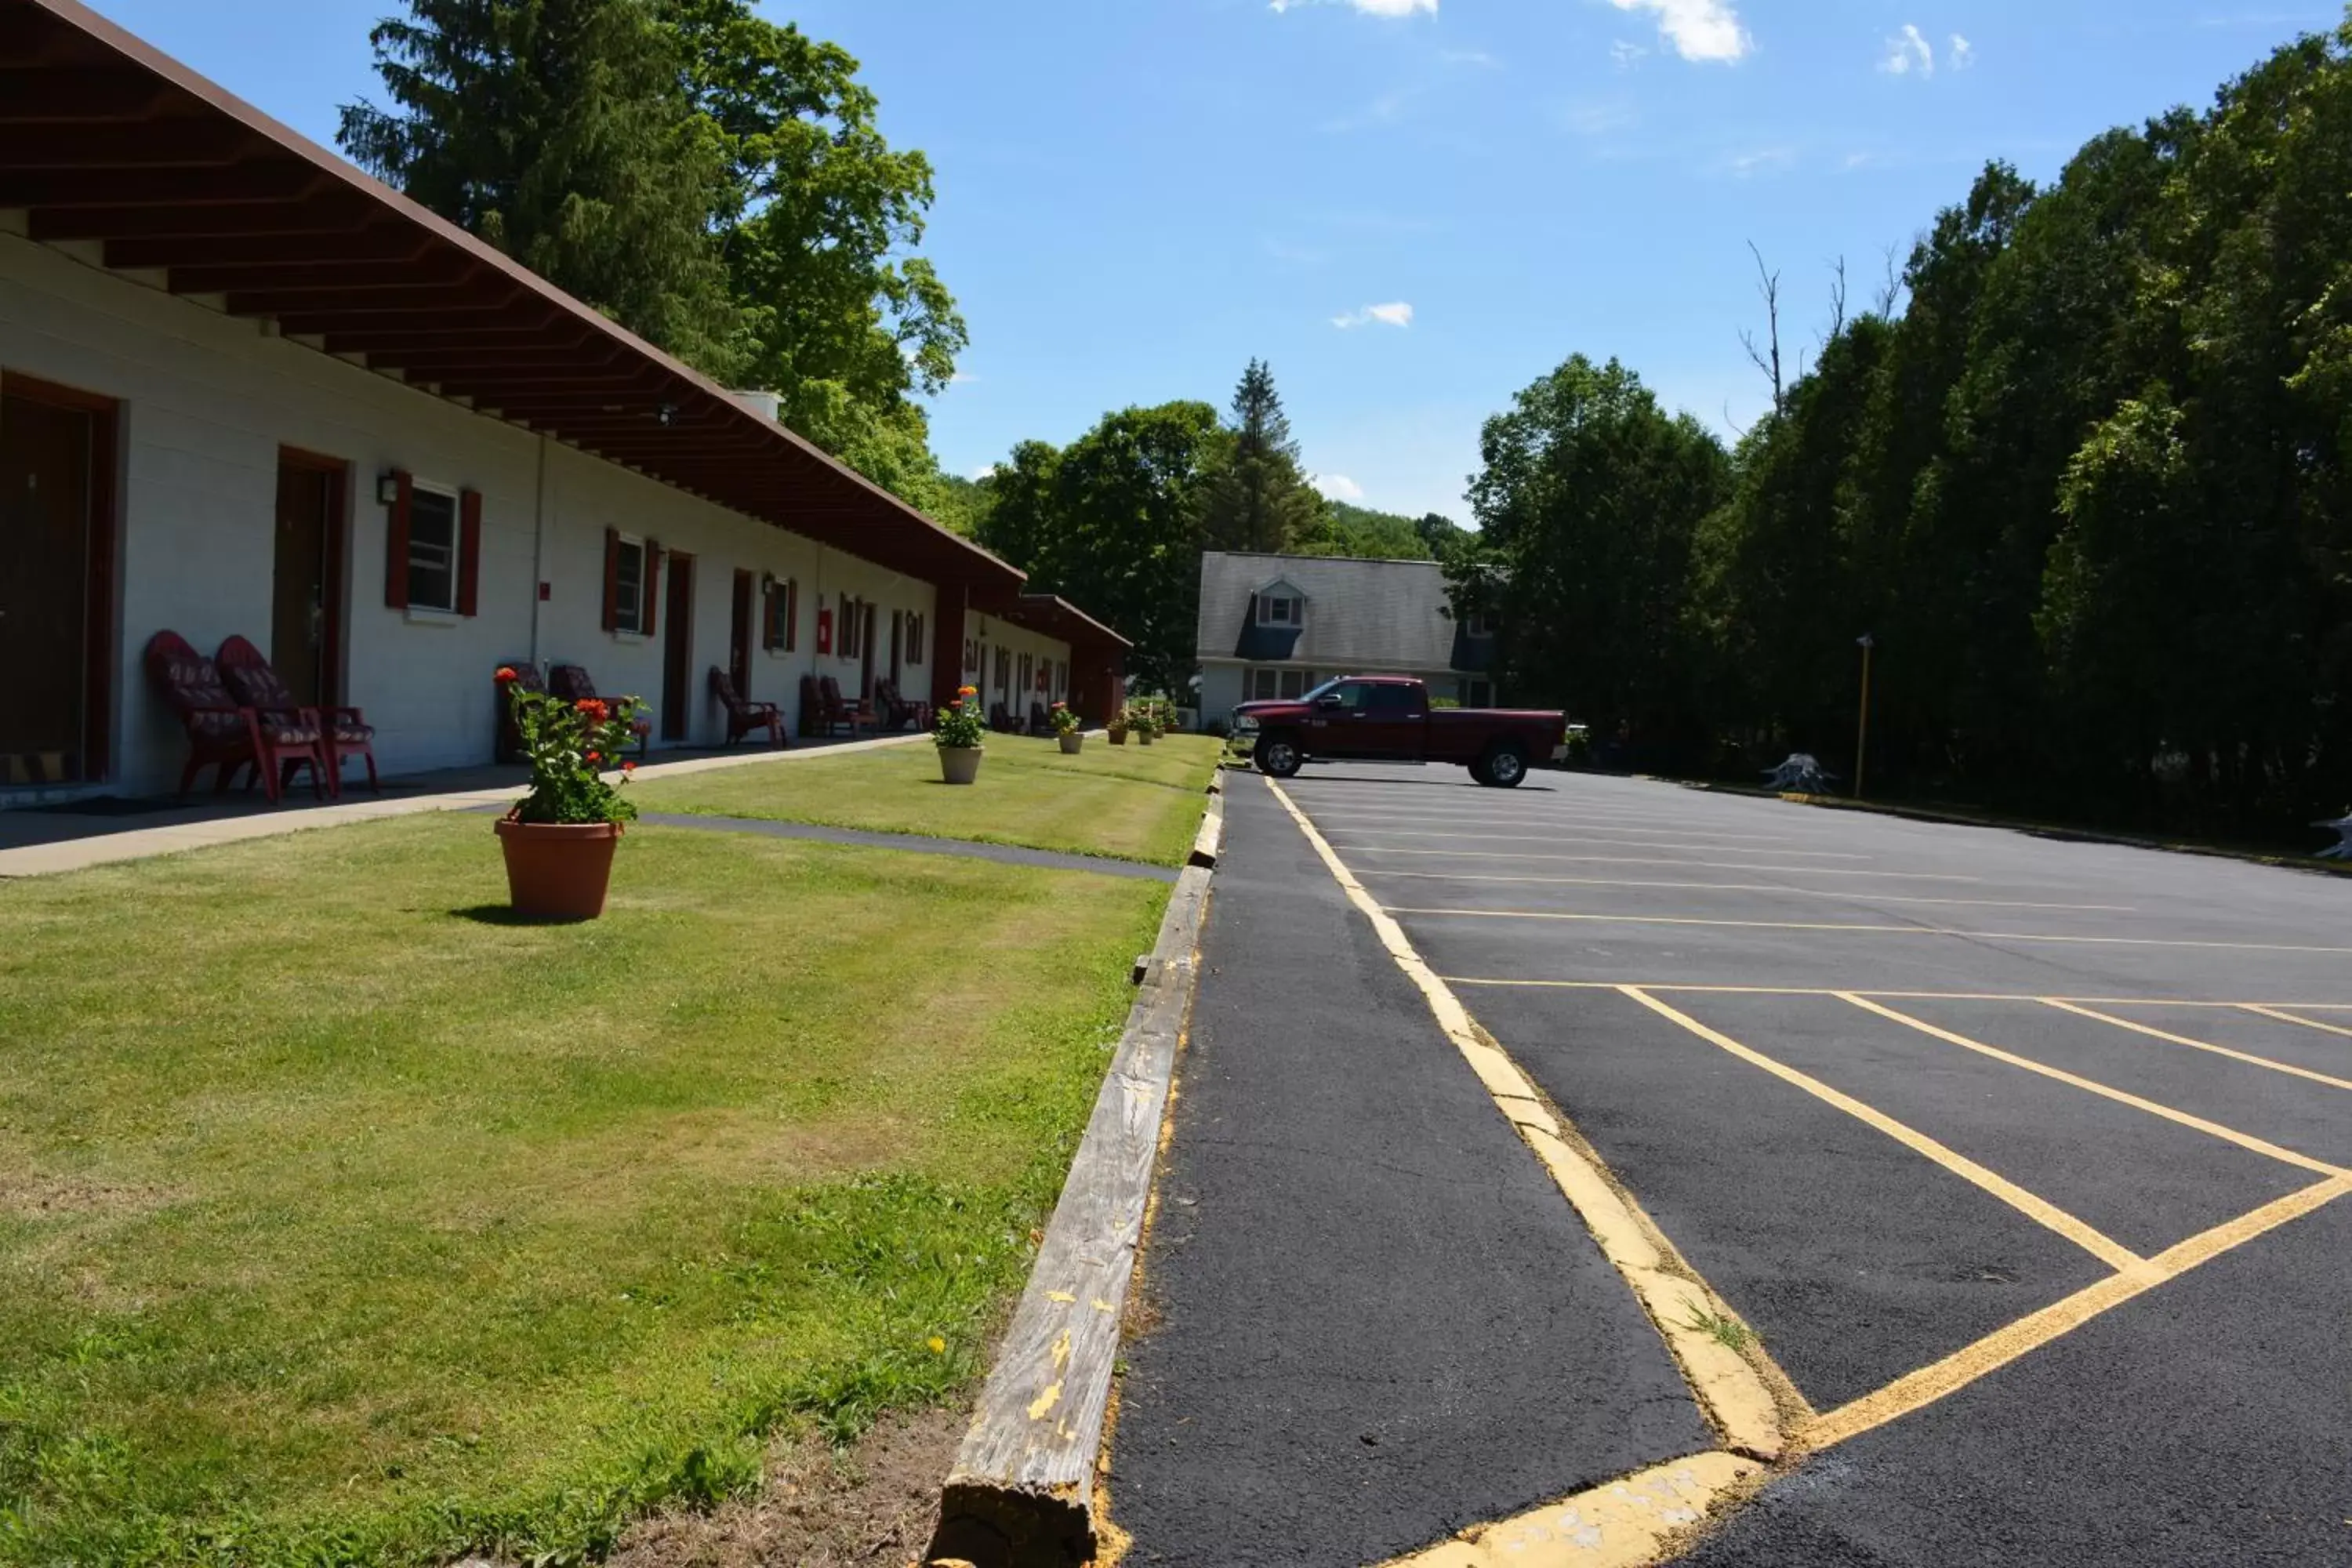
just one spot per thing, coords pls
(1395, 702)
(1349, 694)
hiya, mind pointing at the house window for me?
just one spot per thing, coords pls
(433, 549)
(1280, 610)
(629, 585)
(782, 630)
(1269, 684)
(1479, 624)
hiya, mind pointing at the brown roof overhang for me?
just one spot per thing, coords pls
(106, 141)
(1056, 618)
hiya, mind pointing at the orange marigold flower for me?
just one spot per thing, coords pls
(592, 756)
(594, 707)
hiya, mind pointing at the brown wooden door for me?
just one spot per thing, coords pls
(50, 550)
(677, 647)
(898, 649)
(302, 623)
(738, 637)
(866, 653)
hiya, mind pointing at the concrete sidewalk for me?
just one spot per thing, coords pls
(42, 841)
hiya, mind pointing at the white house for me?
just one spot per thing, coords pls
(246, 390)
(1277, 626)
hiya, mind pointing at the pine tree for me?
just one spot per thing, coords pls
(1260, 499)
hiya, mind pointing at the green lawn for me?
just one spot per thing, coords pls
(1130, 802)
(342, 1221)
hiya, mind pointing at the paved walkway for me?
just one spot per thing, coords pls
(42, 840)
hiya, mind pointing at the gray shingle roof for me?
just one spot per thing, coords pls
(1364, 618)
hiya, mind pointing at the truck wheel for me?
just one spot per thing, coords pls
(1279, 756)
(1505, 765)
(1478, 771)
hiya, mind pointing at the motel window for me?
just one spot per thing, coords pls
(913, 640)
(432, 549)
(1003, 669)
(782, 630)
(629, 584)
(1280, 610)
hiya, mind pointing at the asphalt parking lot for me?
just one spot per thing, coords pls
(2023, 1160)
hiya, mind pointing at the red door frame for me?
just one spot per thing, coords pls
(339, 521)
(99, 619)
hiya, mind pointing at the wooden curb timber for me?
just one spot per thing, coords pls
(1021, 1494)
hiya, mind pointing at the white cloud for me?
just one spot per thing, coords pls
(1597, 119)
(1699, 29)
(1470, 57)
(985, 471)
(1369, 8)
(1762, 161)
(1396, 313)
(1625, 56)
(1336, 487)
(1908, 51)
(1964, 53)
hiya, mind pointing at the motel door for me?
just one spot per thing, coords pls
(54, 571)
(738, 637)
(677, 648)
(303, 631)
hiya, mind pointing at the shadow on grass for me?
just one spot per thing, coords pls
(507, 915)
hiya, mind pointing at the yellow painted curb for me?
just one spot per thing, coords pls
(1732, 1393)
(1619, 1524)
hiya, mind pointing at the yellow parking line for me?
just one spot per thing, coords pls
(2242, 1140)
(2112, 1253)
(2290, 1018)
(1997, 1350)
(1585, 838)
(1751, 888)
(1842, 991)
(1651, 860)
(2200, 1044)
(1868, 930)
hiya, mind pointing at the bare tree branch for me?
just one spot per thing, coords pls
(1890, 289)
(1767, 359)
(1837, 300)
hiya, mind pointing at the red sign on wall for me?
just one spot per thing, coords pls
(824, 631)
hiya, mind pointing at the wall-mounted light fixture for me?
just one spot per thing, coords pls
(387, 489)
(767, 581)
(665, 415)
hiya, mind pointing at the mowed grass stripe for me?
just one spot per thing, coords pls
(1132, 803)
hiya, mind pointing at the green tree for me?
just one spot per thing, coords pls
(1112, 522)
(1360, 531)
(1588, 502)
(1260, 498)
(558, 130)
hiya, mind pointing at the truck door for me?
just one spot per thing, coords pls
(1396, 722)
(1339, 725)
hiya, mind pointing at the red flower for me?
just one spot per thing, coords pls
(628, 767)
(506, 675)
(596, 708)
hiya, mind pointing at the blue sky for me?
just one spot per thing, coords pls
(1411, 207)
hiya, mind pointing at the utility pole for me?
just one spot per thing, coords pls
(1861, 726)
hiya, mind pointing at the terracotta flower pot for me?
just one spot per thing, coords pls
(1118, 737)
(558, 871)
(959, 764)
(1072, 744)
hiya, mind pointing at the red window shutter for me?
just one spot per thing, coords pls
(469, 551)
(395, 543)
(611, 579)
(653, 585)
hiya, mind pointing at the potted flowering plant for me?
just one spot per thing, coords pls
(1139, 720)
(960, 735)
(1066, 730)
(559, 838)
(1117, 726)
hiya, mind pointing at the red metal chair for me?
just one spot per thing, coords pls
(745, 717)
(570, 683)
(342, 732)
(222, 733)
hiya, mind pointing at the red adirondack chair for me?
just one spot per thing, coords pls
(897, 711)
(745, 717)
(222, 733)
(343, 731)
(571, 683)
(839, 709)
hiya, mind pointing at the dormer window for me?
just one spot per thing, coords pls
(1479, 624)
(1279, 609)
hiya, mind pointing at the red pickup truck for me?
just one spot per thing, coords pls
(1387, 718)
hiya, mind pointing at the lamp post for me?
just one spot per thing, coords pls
(1861, 726)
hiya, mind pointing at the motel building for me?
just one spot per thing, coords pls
(247, 391)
